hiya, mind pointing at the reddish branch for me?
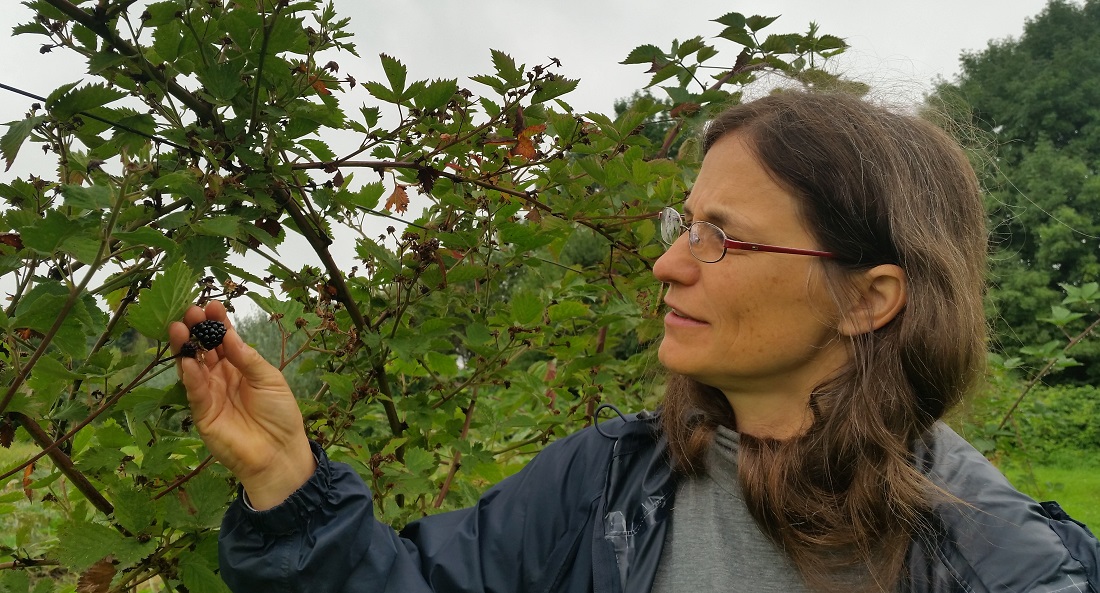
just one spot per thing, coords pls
(457, 458)
(62, 462)
(343, 294)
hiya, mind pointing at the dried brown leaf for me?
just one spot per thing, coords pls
(398, 200)
(97, 579)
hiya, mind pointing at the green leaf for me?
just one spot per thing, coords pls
(567, 310)
(436, 94)
(419, 462)
(169, 295)
(134, 509)
(551, 89)
(197, 575)
(395, 73)
(732, 19)
(200, 503)
(46, 235)
(526, 308)
(319, 149)
(147, 236)
(441, 364)
(221, 80)
(780, 44)
(17, 133)
(96, 197)
(644, 54)
(161, 13)
(689, 47)
(83, 99)
(478, 334)
(82, 544)
(757, 22)
(506, 68)
(380, 91)
(367, 197)
(738, 35)
(220, 226)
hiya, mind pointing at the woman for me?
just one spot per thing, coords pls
(825, 310)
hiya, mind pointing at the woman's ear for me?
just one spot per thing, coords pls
(880, 294)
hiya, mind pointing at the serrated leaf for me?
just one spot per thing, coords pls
(200, 503)
(419, 462)
(96, 197)
(222, 80)
(689, 47)
(134, 509)
(368, 196)
(83, 99)
(161, 13)
(395, 73)
(97, 578)
(220, 226)
(169, 295)
(436, 94)
(380, 91)
(441, 364)
(197, 575)
(392, 446)
(13, 139)
(147, 236)
(526, 308)
(567, 310)
(82, 544)
(553, 88)
(477, 334)
(319, 149)
(757, 22)
(644, 54)
(506, 68)
(780, 44)
(738, 35)
(732, 19)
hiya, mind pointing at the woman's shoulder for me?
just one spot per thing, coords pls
(595, 444)
(992, 532)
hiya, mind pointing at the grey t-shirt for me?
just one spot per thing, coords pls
(713, 544)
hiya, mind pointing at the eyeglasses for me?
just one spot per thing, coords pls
(709, 243)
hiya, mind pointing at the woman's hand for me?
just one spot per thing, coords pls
(245, 412)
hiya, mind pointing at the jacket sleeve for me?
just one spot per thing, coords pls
(325, 538)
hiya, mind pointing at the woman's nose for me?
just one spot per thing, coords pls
(677, 265)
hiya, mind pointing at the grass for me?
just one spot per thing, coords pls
(1076, 487)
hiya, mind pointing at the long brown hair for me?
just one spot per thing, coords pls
(873, 187)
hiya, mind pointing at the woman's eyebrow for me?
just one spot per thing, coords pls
(718, 219)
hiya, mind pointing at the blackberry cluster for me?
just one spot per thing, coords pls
(208, 334)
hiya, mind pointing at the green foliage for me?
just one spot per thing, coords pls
(1030, 98)
(448, 352)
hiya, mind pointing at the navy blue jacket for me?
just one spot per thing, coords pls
(589, 514)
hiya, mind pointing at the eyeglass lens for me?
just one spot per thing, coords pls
(706, 241)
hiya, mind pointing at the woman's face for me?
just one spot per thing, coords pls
(753, 322)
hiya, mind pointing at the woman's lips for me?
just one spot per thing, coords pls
(679, 319)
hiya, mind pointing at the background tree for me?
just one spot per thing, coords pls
(1033, 98)
(454, 344)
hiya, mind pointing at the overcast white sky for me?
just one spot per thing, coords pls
(898, 46)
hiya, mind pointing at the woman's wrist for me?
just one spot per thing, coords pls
(270, 489)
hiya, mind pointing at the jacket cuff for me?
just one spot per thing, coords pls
(293, 513)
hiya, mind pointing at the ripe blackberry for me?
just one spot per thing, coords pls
(208, 334)
(188, 350)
